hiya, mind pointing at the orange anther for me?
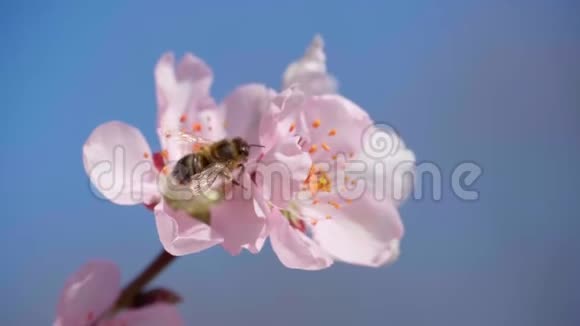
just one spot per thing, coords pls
(292, 127)
(316, 123)
(313, 149)
(325, 147)
(146, 155)
(196, 127)
(333, 203)
(183, 118)
(332, 132)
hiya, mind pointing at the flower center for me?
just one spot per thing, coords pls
(318, 181)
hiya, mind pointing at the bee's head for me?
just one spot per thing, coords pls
(242, 146)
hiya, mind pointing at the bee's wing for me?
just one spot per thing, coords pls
(203, 181)
(189, 138)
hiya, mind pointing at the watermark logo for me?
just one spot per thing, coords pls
(383, 166)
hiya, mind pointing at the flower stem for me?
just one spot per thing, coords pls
(127, 296)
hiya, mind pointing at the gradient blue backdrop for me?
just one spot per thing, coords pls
(495, 82)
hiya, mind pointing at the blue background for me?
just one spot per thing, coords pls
(494, 82)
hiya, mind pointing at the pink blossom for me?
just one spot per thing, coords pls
(93, 289)
(327, 221)
(309, 73)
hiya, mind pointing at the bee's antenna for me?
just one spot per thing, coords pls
(254, 145)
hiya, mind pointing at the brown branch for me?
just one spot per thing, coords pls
(127, 296)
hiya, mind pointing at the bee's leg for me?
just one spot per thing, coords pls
(242, 171)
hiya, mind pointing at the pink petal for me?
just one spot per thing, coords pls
(181, 234)
(334, 126)
(212, 123)
(208, 124)
(328, 125)
(309, 72)
(243, 110)
(393, 252)
(293, 248)
(179, 89)
(119, 163)
(282, 171)
(236, 220)
(88, 293)
(358, 233)
(154, 315)
(390, 169)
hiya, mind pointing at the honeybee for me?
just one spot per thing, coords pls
(198, 171)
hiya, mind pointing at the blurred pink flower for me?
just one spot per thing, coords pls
(328, 220)
(309, 73)
(93, 289)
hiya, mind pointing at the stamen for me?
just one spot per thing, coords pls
(183, 118)
(328, 217)
(316, 123)
(333, 203)
(323, 183)
(165, 154)
(146, 155)
(197, 147)
(196, 127)
(313, 184)
(313, 149)
(315, 201)
(332, 132)
(334, 157)
(292, 127)
(311, 174)
(349, 201)
(325, 147)
(314, 222)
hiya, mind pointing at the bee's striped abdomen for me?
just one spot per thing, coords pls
(185, 168)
